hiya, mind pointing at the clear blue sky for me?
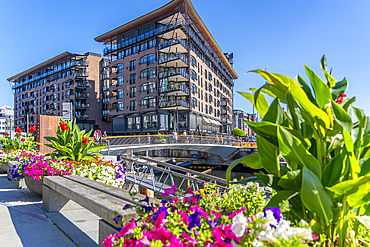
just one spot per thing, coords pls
(280, 36)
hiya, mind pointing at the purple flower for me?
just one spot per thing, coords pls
(194, 220)
(147, 208)
(159, 211)
(276, 212)
(213, 223)
(127, 206)
(146, 200)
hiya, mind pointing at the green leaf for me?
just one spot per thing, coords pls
(265, 129)
(275, 114)
(339, 88)
(323, 64)
(364, 220)
(330, 79)
(332, 171)
(279, 197)
(96, 148)
(365, 167)
(322, 92)
(268, 155)
(260, 102)
(306, 89)
(269, 180)
(342, 117)
(314, 196)
(246, 180)
(293, 149)
(251, 160)
(292, 180)
(347, 103)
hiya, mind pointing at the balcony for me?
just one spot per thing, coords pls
(105, 89)
(175, 60)
(178, 89)
(81, 115)
(106, 100)
(81, 74)
(223, 111)
(223, 103)
(82, 85)
(80, 105)
(177, 45)
(176, 74)
(105, 112)
(82, 95)
(105, 76)
(174, 104)
(223, 119)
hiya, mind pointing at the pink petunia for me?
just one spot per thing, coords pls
(170, 191)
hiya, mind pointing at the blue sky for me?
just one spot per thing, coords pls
(280, 36)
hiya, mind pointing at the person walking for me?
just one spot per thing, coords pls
(175, 136)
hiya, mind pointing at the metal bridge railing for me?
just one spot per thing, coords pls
(175, 139)
(157, 176)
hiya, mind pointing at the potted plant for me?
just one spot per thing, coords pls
(159, 139)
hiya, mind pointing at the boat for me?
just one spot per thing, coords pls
(197, 156)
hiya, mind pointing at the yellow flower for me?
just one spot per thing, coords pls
(241, 177)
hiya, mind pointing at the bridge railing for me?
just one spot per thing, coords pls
(157, 176)
(174, 139)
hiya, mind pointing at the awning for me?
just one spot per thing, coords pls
(218, 123)
(206, 120)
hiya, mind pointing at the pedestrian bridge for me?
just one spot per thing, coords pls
(225, 148)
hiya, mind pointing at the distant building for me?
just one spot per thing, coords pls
(240, 117)
(6, 120)
(68, 77)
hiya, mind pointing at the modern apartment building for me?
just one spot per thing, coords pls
(6, 120)
(68, 77)
(164, 71)
(239, 119)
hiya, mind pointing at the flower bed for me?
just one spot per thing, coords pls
(37, 166)
(207, 218)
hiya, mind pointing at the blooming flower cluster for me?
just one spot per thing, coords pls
(187, 220)
(64, 126)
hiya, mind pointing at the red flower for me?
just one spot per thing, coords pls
(16, 134)
(19, 130)
(6, 134)
(32, 129)
(63, 126)
(23, 139)
(85, 140)
(94, 138)
(340, 98)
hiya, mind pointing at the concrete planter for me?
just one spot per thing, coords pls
(4, 167)
(34, 185)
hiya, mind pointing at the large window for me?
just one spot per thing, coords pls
(120, 106)
(148, 59)
(120, 94)
(150, 122)
(194, 102)
(194, 88)
(148, 101)
(120, 68)
(133, 105)
(148, 87)
(148, 73)
(193, 75)
(193, 61)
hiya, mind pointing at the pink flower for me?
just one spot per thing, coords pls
(170, 191)
(127, 229)
(175, 200)
(315, 237)
(189, 239)
(110, 240)
(184, 216)
(162, 234)
(161, 220)
(143, 242)
(196, 208)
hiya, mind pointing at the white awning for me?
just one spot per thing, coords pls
(206, 120)
(213, 122)
(218, 123)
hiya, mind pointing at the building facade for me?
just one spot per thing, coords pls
(6, 120)
(164, 72)
(240, 117)
(66, 78)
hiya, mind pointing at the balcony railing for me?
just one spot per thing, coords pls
(223, 103)
(105, 89)
(174, 103)
(174, 72)
(82, 95)
(173, 57)
(82, 84)
(172, 42)
(80, 105)
(106, 100)
(81, 115)
(82, 74)
(106, 112)
(223, 111)
(177, 87)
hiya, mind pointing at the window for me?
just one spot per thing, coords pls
(120, 68)
(209, 76)
(135, 49)
(150, 122)
(148, 101)
(119, 93)
(210, 110)
(194, 88)
(148, 73)
(132, 92)
(148, 87)
(133, 105)
(119, 80)
(120, 106)
(132, 78)
(193, 75)
(193, 61)
(132, 65)
(210, 87)
(148, 59)
(128, 52)
(143, 46)
(151, 43)
(194, 102)
(205, 73)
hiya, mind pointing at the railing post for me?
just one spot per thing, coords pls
(108, 146)
(139, 139)
(148, 138)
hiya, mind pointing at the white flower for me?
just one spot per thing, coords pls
(304, 223)
(302, 233)
(270, 219)
(267, 236)
(239, 224)
(257, 243)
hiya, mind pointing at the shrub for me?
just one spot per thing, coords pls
(238, 132)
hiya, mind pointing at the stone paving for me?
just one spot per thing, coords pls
(23, 221)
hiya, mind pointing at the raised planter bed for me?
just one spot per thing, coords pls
(34, 186)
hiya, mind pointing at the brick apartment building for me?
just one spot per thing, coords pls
(165, 70)
(68, 77)
(239, 119)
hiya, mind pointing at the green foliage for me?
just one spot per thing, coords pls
(238, 132)
(20, 141)
(327, 176)
(73, 144)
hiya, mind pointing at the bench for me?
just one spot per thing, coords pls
(62, 193)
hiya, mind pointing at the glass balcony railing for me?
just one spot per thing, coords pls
(172, 42)
(82, 105)
(82, 95)
(170, 88)
(81, 74)
(173, 57)
(174, 103)
(81, 115)
(82, 84)
(50, 72)
(106, 100)
(174, 72)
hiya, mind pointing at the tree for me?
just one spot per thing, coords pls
(238, 132)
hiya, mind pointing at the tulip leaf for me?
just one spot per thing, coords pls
(268, 155)
(279, 197)
(322, 92)
(251, 161)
